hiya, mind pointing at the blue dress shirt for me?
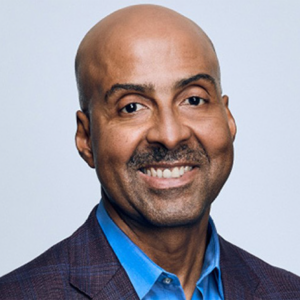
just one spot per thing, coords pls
(150, 281)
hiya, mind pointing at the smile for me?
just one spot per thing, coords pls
(175, 172)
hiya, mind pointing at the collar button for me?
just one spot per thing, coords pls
(167, 280)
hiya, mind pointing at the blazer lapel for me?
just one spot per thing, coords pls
(119, 287)
(239, 281)
(94, 267)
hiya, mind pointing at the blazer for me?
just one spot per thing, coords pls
(84, 266)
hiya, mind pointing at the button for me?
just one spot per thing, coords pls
(167, 280)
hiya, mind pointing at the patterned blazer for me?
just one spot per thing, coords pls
(84, 266)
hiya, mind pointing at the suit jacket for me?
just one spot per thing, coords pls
(84, 266)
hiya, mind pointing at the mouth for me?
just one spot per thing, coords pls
(170, 172)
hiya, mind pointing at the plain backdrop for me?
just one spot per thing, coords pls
(47, 191)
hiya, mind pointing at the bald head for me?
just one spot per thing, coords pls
(128, 33)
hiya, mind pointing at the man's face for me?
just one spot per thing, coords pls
(161, 132)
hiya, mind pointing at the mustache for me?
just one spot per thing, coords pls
(160, 154)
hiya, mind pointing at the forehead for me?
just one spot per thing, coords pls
(158, 57)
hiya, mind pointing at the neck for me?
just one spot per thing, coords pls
(178, 250)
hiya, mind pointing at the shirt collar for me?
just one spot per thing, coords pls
(211, 262)
(141, 270)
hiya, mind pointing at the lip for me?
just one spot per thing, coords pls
(167, 183)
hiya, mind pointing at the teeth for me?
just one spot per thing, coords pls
(159, 173)
(181, 171)
(153, 172)
(168, 173)
(175, 173)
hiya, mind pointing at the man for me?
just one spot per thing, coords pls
(159, 133)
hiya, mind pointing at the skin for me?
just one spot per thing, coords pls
(151, 97)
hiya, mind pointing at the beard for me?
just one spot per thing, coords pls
(170, 212)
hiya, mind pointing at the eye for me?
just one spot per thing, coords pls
(194, 100)
(132, 107)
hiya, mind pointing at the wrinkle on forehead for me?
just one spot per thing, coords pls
(121, 30)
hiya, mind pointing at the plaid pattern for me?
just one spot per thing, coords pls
(84, 266)
(245, 276)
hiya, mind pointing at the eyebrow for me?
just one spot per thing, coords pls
(142, 88)
(184, 82)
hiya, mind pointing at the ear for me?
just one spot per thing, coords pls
(231, 121)
(83, 138)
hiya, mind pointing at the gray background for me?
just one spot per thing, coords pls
(47, 191)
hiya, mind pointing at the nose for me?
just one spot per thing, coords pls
(168, 129)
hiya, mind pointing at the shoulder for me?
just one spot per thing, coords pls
(241, 267)
(37, 274)
(47, 276)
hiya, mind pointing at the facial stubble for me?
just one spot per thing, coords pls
(176, 206)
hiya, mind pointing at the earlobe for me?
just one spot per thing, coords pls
(231, 121)
(83, 139)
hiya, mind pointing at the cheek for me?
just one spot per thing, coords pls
(114, 145)
(215, 137)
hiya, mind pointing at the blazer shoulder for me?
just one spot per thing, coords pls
(37, 275)
(47, 276)
(269, 281)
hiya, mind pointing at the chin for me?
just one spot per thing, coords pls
(170, 218)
